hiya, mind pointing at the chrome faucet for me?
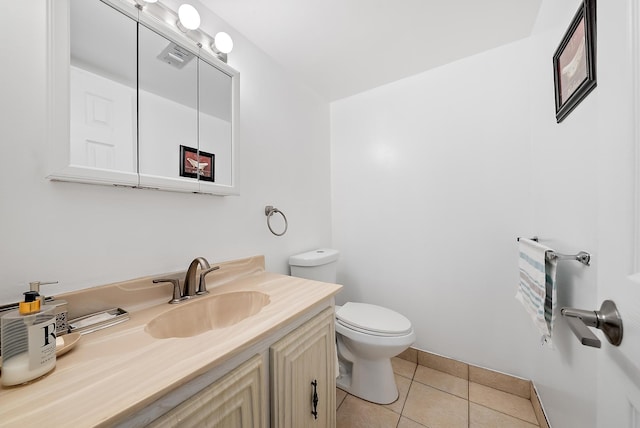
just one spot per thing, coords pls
(189, 286)
(190, 282)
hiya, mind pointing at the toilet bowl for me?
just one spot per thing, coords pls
(367, 336)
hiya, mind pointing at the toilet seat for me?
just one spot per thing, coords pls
(372, 319)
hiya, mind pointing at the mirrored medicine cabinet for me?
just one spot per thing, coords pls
(147, 107)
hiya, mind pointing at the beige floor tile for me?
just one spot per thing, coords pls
(442, 381)
(510, 404)
(403, 367)
(408, 423)
(501, 381)
(340, 396)
(357, 413)
(483, 417)
(443, 364)
(403, 390)
(434, 408)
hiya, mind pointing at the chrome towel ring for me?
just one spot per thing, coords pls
(269, 210)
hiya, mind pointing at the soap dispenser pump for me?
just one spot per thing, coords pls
(28, 341)
(35, 286)
(61, 307)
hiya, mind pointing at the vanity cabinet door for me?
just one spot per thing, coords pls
(237, 400)
(301, 359)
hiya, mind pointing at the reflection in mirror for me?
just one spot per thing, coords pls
(144, 111)
(215, 94)
(168, 101)
(102, 87)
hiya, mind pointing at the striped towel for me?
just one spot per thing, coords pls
(537, 288)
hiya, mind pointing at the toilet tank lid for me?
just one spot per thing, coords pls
(317, 257)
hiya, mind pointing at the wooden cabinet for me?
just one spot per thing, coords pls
(298, 390)
(238, 400)
(301, 359)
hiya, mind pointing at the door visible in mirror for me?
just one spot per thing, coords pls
(103, 86)
(215, 116)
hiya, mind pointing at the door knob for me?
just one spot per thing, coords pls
(606, 319)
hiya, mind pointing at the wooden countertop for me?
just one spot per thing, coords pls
(115, 372)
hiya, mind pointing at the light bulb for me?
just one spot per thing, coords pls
(223, 42)
(189, 17)
(150, 1)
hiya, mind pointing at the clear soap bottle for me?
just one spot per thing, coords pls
(28, 341)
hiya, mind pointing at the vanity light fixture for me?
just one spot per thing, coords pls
(222, 42)
(188, 18)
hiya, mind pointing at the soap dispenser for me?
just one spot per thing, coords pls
(28, 340)
(60, 311)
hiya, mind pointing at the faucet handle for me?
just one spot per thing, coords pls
(177, 297)
(202, 287)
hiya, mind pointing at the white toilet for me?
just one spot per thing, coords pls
(367, 336)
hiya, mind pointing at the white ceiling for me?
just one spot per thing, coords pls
(343, 47)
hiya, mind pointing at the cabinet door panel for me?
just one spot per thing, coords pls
(302, 357)
(235, 401)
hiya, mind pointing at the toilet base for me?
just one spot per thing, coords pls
(371, 380)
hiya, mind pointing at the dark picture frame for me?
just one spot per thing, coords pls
(574, 62)
(192, 161)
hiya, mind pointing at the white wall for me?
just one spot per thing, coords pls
(434, 176)
(85, 235)
(431, 187)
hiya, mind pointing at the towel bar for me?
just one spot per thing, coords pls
(582, 257)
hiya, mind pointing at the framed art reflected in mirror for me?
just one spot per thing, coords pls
(197, 164)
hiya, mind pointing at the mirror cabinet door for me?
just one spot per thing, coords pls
(167, 114)
(215, 118)
(143, 110)
(102, 90)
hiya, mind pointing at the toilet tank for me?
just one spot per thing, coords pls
(319, 265)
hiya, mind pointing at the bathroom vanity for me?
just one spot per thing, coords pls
(265, 369)
(298, 364)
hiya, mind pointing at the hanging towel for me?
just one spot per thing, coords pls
(537, 288)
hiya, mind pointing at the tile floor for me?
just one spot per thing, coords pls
(434, 399)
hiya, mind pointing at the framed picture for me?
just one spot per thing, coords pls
(197, 164)
(574, 62)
